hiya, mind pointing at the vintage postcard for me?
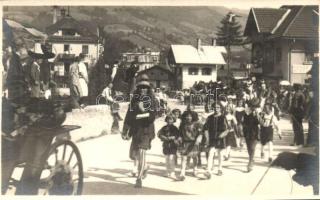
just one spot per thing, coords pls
(203, 98)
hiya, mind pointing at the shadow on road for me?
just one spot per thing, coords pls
(305, 165)
(115, 186)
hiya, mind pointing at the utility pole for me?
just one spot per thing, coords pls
(228, 50)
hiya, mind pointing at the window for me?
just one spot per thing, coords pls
(206, 71)
(85, 49)
(155, 58)
(68, 32)
(66, 47)
(308, 58)
(193, 71)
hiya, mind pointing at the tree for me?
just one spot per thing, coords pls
(114, 46)
(229, 33)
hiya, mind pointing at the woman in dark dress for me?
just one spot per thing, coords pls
(215, 131)
(239, 113)
(139, 124)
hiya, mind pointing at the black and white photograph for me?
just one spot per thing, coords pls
(215, 99)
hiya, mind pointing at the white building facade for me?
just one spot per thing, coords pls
(192, 64)
(67, 38)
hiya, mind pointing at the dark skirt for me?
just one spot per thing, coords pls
(231, 139)
(189, 149)
(169, 148)
(219, 143)
(266, 135)
(139, 143)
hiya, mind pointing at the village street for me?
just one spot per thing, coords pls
(107, 170)
(70, 71)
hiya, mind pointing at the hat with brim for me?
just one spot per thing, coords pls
(44, 54)
(35, 55)
(143, 81)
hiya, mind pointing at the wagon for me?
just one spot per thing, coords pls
(41, 162)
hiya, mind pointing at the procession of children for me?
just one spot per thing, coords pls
(223, 129)
(248, 116)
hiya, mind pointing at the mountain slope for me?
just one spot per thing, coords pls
(154, 27)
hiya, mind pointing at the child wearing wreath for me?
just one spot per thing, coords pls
(191, 136)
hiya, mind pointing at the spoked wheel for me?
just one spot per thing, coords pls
(63, 171)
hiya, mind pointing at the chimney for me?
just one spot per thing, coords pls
(214, 42)
(55, 14)
(63, 12)
(198, 44)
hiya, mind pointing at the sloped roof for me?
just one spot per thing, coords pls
(288, 21)
(267, 18)
(15, 33)
(303, 24)
(69, 23)
(14, 24)
(34, 32)
(162, 67)
(187, 54)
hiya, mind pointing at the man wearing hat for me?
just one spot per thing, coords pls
(39, 70)
(139, 124)
(251, 129)
(297, 112)
(45, 67)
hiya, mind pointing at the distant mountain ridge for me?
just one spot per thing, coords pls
(153, 27)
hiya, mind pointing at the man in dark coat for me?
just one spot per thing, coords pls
(45, 67)
(297, 112)
(130, 75)
(15, 76)
(139, 124)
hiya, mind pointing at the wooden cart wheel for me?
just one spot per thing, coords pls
(63, 170)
